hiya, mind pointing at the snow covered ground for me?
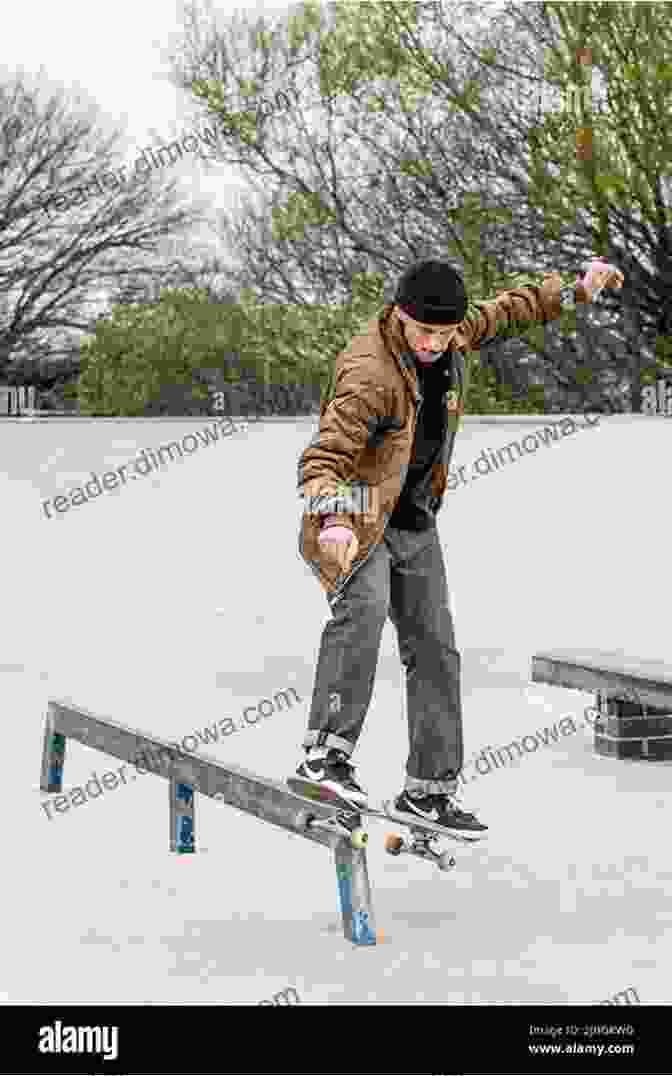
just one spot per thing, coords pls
(180, 599)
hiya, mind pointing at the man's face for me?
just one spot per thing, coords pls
(428, 342)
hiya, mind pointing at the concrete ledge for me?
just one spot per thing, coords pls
(609, 673)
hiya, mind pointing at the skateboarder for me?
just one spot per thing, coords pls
(374, 478)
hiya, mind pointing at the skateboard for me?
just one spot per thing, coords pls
(424, 836)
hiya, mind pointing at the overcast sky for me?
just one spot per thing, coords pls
(115, 56)
(114, 53)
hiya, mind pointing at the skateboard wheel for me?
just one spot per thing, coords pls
(393, 844)
(359, 838)
(446, 862)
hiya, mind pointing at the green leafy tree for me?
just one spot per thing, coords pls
(143, 349)
(410, 121)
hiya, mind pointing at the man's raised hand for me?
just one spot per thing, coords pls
(598, 274)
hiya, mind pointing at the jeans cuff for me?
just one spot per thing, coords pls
(416, 786)
(315, 738)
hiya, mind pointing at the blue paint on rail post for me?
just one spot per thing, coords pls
(56, 759)
(362, 934)
(362, 930)
(184, 821)
(55, 778)
(184, 838)
(345, 888)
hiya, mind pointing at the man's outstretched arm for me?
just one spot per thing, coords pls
(527, 304)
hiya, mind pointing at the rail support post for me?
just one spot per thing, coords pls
(182, 835)
(355, 894)
(53, 755)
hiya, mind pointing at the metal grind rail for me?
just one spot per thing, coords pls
(188, 774)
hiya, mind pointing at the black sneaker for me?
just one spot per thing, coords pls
(330, 770)
(444, 810)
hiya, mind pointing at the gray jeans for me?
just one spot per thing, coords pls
(405, 579)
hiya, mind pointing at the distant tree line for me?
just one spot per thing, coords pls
(415, 130)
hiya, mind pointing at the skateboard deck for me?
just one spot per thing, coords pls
(424, 836)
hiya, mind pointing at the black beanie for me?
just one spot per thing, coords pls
(432, 293)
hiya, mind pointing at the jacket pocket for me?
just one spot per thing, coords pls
(383, 443)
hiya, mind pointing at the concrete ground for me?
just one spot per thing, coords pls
(170, 604)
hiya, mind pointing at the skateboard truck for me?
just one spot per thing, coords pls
(424, 842)
(422, 845)
(340, 824)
